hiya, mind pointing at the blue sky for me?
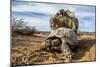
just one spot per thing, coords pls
(38, 14)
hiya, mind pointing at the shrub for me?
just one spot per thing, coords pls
(20, 27)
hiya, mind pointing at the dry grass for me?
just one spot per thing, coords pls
(26, 50)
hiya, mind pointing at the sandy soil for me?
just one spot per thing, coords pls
(26, 50)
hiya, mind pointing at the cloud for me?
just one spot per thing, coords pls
(51, 9)
(41, 7)
(38, 14)
(30, 7)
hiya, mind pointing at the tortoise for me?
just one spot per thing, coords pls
(64, 19)
(63, 40)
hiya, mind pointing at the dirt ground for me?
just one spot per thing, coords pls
(26, 50)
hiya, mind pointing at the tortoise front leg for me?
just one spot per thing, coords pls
(66, 50)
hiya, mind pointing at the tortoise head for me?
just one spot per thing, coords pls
(61, 12)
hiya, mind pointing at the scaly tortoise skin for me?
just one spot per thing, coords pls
(67, 38)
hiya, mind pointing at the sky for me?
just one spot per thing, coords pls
(39, 14)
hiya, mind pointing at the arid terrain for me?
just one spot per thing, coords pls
(26, 49)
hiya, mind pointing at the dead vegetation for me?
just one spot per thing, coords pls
(20, 27)
(26, 50)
